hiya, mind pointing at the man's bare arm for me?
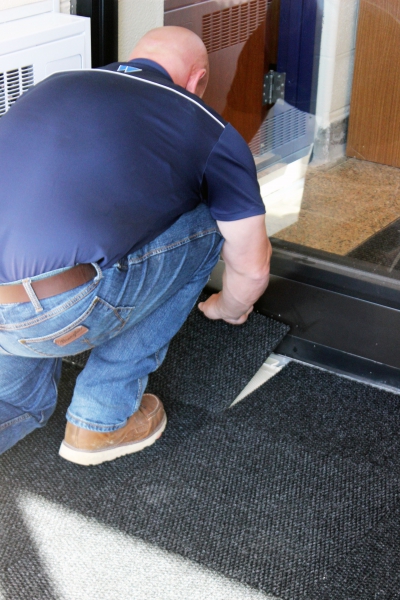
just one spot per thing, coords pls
(247, 254)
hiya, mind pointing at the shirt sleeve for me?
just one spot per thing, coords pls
(231, 179)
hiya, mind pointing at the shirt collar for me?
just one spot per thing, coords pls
(149, 65)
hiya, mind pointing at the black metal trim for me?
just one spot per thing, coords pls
(339, 321)
(103, 16)
(340, 362)
(341, 318)
(340, 274)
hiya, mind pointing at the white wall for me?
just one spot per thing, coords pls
(135, 17)
(336, 61)
(6, 4)
(65, 6)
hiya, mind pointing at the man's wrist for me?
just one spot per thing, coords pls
(231, 308)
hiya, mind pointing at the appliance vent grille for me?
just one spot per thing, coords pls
(279, 130)
(2, 95)
(13, 83)
(232, 25)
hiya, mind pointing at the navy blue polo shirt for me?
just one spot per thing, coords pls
(96, 163)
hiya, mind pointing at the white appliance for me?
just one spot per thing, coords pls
(36, 40)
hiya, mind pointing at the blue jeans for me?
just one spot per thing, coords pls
(127, 315)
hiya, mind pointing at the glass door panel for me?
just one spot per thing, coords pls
(327, 147)
(348, 204)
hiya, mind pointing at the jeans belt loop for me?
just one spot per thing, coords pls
(32, 295)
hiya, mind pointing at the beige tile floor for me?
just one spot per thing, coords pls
(344, 204)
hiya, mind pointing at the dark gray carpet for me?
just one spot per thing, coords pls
(208, 362)
(383, 248)
(294, 491)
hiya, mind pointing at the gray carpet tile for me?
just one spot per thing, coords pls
(319, 410)
(372, 565)
(89, 561)
(382, 248)
(290, 492)
(210, 362)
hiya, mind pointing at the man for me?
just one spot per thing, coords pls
(119, 187)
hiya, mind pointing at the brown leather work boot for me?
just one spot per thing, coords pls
(143, 428)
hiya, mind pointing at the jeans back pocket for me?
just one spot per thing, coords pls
(99, 323)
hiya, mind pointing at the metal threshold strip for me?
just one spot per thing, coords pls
(341, 318)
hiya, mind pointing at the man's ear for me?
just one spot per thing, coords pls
(197, 82)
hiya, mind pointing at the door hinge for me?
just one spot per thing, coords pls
(274, 87)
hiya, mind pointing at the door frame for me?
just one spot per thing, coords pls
(299, 40)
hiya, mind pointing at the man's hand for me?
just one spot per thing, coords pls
(247, 254)
(214, 309)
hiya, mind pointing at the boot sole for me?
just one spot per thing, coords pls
(87, 457)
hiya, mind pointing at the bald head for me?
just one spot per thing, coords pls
(182, 54)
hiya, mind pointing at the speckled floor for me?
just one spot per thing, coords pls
(344, 205)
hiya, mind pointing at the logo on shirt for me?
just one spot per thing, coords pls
(127, 69)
